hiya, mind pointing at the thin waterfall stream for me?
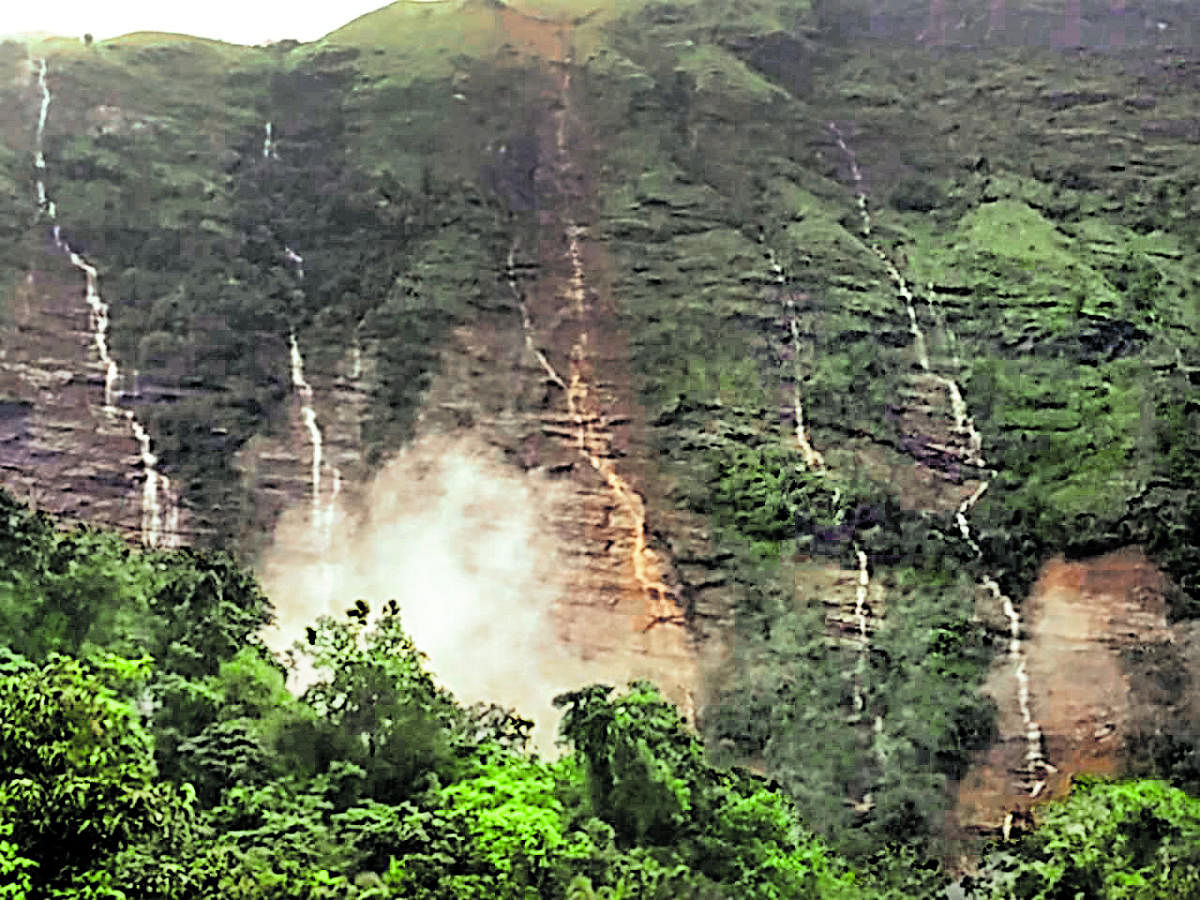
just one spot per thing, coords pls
(1037, 767)
(815, 462)
(159, 505)
(324, 508)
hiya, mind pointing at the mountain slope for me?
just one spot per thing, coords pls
(820, 348)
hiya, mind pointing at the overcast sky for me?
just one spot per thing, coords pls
(239, 21)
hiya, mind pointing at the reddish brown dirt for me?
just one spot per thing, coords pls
(1078, 619)
(620, 610)
(59, 449)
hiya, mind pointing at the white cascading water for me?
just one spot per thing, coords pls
(160, 508)
(356, 365)
(324, 510)
(309, 417)
(812, 458)
(962, 422)
(1037, 767)
(526, 322)
(815, 462)
(860, 616)
(268, 143)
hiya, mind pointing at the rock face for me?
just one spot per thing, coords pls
(277, 469)
(59, 448)
(623, 610)
(1079, 619)
(566, 407)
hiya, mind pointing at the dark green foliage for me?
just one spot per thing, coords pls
(916, 194)
(1112, 840)
(60, 591)
(209, 609)
(380, 710)
(767, 495)
(376, 783)
(75, 761)
(648, 780)
(1164, 732)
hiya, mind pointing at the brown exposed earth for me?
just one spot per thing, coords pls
(1077, 621)
(565, 406)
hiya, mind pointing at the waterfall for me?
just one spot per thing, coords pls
(324, 510)
(268, 143)
(1036, 764)
(159, 505)
(309, 417)
(356, 366)
(527, 323)
(813, 460)
(860, 616)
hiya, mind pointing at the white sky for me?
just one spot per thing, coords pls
(238, 21)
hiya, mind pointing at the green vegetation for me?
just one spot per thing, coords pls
(1048, 224)
(187, 221)
(183, 768)
(1139, 839)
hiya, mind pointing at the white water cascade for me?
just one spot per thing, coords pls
(962, 422)
(815, 462)
(356, 364)
(269, 144)
(1037, 767)
(324, 509)
(526, 322)
(860, 616)
(160, 508)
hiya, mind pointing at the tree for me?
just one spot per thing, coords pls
(74, 761)
(1133, 839)
(674, 813)
(379, 708)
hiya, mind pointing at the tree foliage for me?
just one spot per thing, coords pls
(1106, 839)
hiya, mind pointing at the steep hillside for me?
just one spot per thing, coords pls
(841, 357)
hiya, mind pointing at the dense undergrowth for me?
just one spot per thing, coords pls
(1049, 232)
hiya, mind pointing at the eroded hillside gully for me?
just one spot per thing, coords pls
(592, 390)
(159, 505)
(1036, 768)
(521, 573)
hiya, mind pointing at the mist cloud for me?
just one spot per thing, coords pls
(464, 544)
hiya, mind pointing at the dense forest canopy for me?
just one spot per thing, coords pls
(173, 754)
(896, 305)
